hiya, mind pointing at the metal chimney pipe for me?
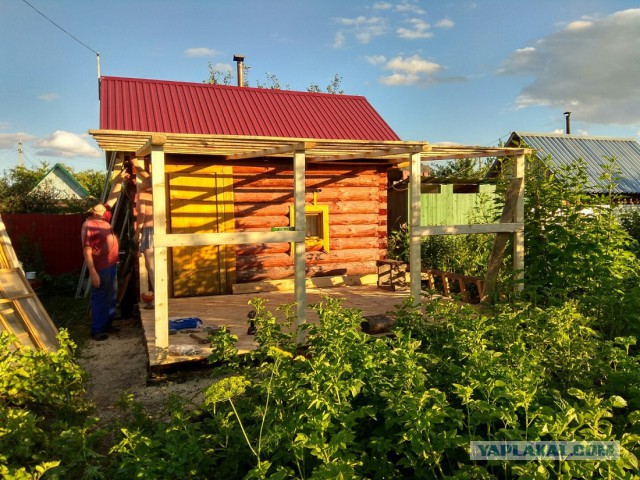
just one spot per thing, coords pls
(567, 116)
(239, 59)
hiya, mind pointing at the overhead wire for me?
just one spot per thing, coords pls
(58, 26)
(75, 39)
(499, 139)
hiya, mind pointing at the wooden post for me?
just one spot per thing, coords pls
(142, 267)
(160, 255)
(518, 236)
(415, 238)
(300, 268)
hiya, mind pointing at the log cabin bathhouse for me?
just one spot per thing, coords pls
(255, 186)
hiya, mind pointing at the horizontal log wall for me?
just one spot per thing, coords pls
(356, 197)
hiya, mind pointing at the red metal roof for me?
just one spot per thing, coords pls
(141, 105)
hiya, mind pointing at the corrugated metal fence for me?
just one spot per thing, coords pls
(47, 241)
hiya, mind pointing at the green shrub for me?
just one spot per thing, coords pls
(46, 425)
(348, 405)
(630, 220)
(575, 248)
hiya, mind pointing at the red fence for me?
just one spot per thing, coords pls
(46, 241)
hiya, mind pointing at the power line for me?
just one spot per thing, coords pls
(54, 23)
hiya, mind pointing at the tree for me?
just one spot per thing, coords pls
(273, 82)
(333, 87)
(20, 180)
(91, 180)
(463, 168)
(16, 194)
(223, 77)
(218, 77)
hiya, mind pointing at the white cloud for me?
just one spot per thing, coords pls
(399, 79)
(200, 52)
(410, 70)
(409, 7)
(419, 29)
(375, 59)
(10, 141)
(413, 64)
(48, 97)
(445, 23)
(405, 6)
(363, 28)
(67, 145)
(579, 25)
(382, 6)
(590, 67)
(338, 40)
(223, 67)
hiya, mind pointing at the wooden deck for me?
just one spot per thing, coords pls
(231, 311)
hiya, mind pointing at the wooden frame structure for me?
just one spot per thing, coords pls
(21, 312)
(234, 149)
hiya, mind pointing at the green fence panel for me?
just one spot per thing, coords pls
(448, 208)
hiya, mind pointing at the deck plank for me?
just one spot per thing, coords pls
(231, 311)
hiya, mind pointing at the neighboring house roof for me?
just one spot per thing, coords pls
(59, 179)
(140, 105)
(565, 149)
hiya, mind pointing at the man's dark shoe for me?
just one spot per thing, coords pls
(112, 329)
(99, 337)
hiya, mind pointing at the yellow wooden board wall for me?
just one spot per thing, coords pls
(201, 203)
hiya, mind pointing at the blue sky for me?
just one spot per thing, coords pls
(460, 71)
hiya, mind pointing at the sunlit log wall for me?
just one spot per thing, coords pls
(357, 200)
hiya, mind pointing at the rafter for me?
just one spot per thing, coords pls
(385, 152)
(294, 147)
(154, 140)
(233, 147)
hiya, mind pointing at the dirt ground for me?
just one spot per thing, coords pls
(118, 365)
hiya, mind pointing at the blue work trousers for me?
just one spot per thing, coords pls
(103, 300)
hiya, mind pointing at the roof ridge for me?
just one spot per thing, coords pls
(217, 85)
(574, 136)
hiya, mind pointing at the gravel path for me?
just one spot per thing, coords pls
(118, 365)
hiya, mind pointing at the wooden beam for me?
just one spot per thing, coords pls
(230, 238)
(470, 229)
(156, 140)
(385, 152)
(439, 154)
(271, 151)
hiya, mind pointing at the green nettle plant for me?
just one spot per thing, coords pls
(629, 218)
(349, 405)
(575, 247)
(46, 427)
